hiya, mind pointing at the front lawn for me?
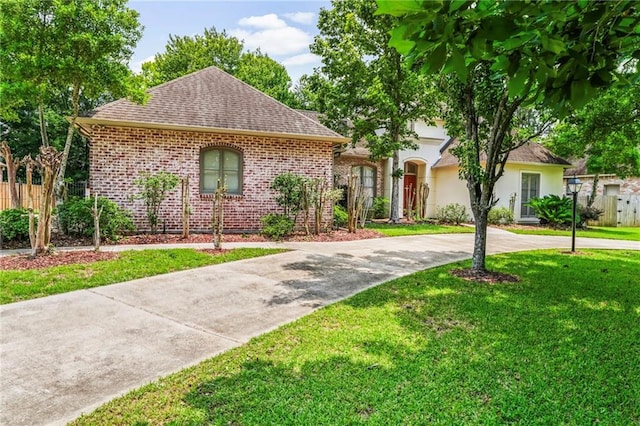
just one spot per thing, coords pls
(400, 230)
(16, 285)
(559, 347)
(620, 233)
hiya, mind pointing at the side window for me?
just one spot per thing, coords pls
(367, 176)
(222, 165)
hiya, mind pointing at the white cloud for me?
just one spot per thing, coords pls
(137, 66)
(269, 21)
(301, 17)
(303, 59)
(272, 35)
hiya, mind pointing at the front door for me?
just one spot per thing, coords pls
(409, 190)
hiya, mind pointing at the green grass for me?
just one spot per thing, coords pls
(130, 265)
(559, 347)
(621, 233)
(400, 230)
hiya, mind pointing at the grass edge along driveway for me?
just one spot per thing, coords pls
(620, 233)
(559, 347)
(129, 265)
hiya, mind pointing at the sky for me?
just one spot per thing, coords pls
(281, 29)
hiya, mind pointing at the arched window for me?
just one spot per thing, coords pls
(367, 176)
(222, 165)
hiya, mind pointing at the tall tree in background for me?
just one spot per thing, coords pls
(551, 54)
(365, 82)
(184, 55)
(606, 132)
(80, 47)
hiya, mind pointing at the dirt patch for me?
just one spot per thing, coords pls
(490, 277)
(24, 261)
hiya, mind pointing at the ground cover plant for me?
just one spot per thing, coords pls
(620, 233)
(17, 285)
(399, 230)
(558, 347)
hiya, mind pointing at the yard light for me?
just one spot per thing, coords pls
(574, 185)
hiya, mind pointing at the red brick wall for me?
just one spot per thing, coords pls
(118, 155)
(342, 169)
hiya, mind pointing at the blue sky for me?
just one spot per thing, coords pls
(282, 29)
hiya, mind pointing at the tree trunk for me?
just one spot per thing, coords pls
(75, 100)
(594, 191)
(11, 165)
(395, 189)
(480, 241)
(186, 208)
(43, 124)
(48, 161)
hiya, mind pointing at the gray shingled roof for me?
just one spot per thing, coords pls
(211, 98)
(528, 153)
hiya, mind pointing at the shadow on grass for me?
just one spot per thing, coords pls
(559, 347)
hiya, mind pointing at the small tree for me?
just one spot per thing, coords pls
(290, 190)
(217, 221)
(186, 207)
(48, 164)
(154, 190)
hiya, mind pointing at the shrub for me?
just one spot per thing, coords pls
(452, 213)
(588, 213)
(14, 224)
(276, 226)
(340, 216)
(553, 210)
(290, 191)
(500, 216)
(153, 191)
(380, 207)
(75, 218)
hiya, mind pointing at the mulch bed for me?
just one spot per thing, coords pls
(25, 261)
(22, 262)
(489, 277)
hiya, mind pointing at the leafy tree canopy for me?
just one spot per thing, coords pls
(186, 54)
(555, 53)
(606, 132)
(364, 82)
(58, 55)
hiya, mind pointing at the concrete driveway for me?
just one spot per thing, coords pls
(64, 355)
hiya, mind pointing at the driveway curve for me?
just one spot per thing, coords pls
(64, 355)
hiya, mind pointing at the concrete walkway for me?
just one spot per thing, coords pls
(64, 355)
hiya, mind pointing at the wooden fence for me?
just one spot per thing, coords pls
(619, 210)
(23, 195)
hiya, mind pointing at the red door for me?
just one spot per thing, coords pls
(409, 189)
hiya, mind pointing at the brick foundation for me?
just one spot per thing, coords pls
(118, 155)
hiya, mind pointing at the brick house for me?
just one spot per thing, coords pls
(206, 125)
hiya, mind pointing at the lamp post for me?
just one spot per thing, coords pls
(574, 185)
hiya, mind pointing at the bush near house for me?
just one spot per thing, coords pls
(553, 210)
(452, 213)
(14, 224)
(500, 216)
(75, 218)
(380, 207)
(340, 216)
(277, 226)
